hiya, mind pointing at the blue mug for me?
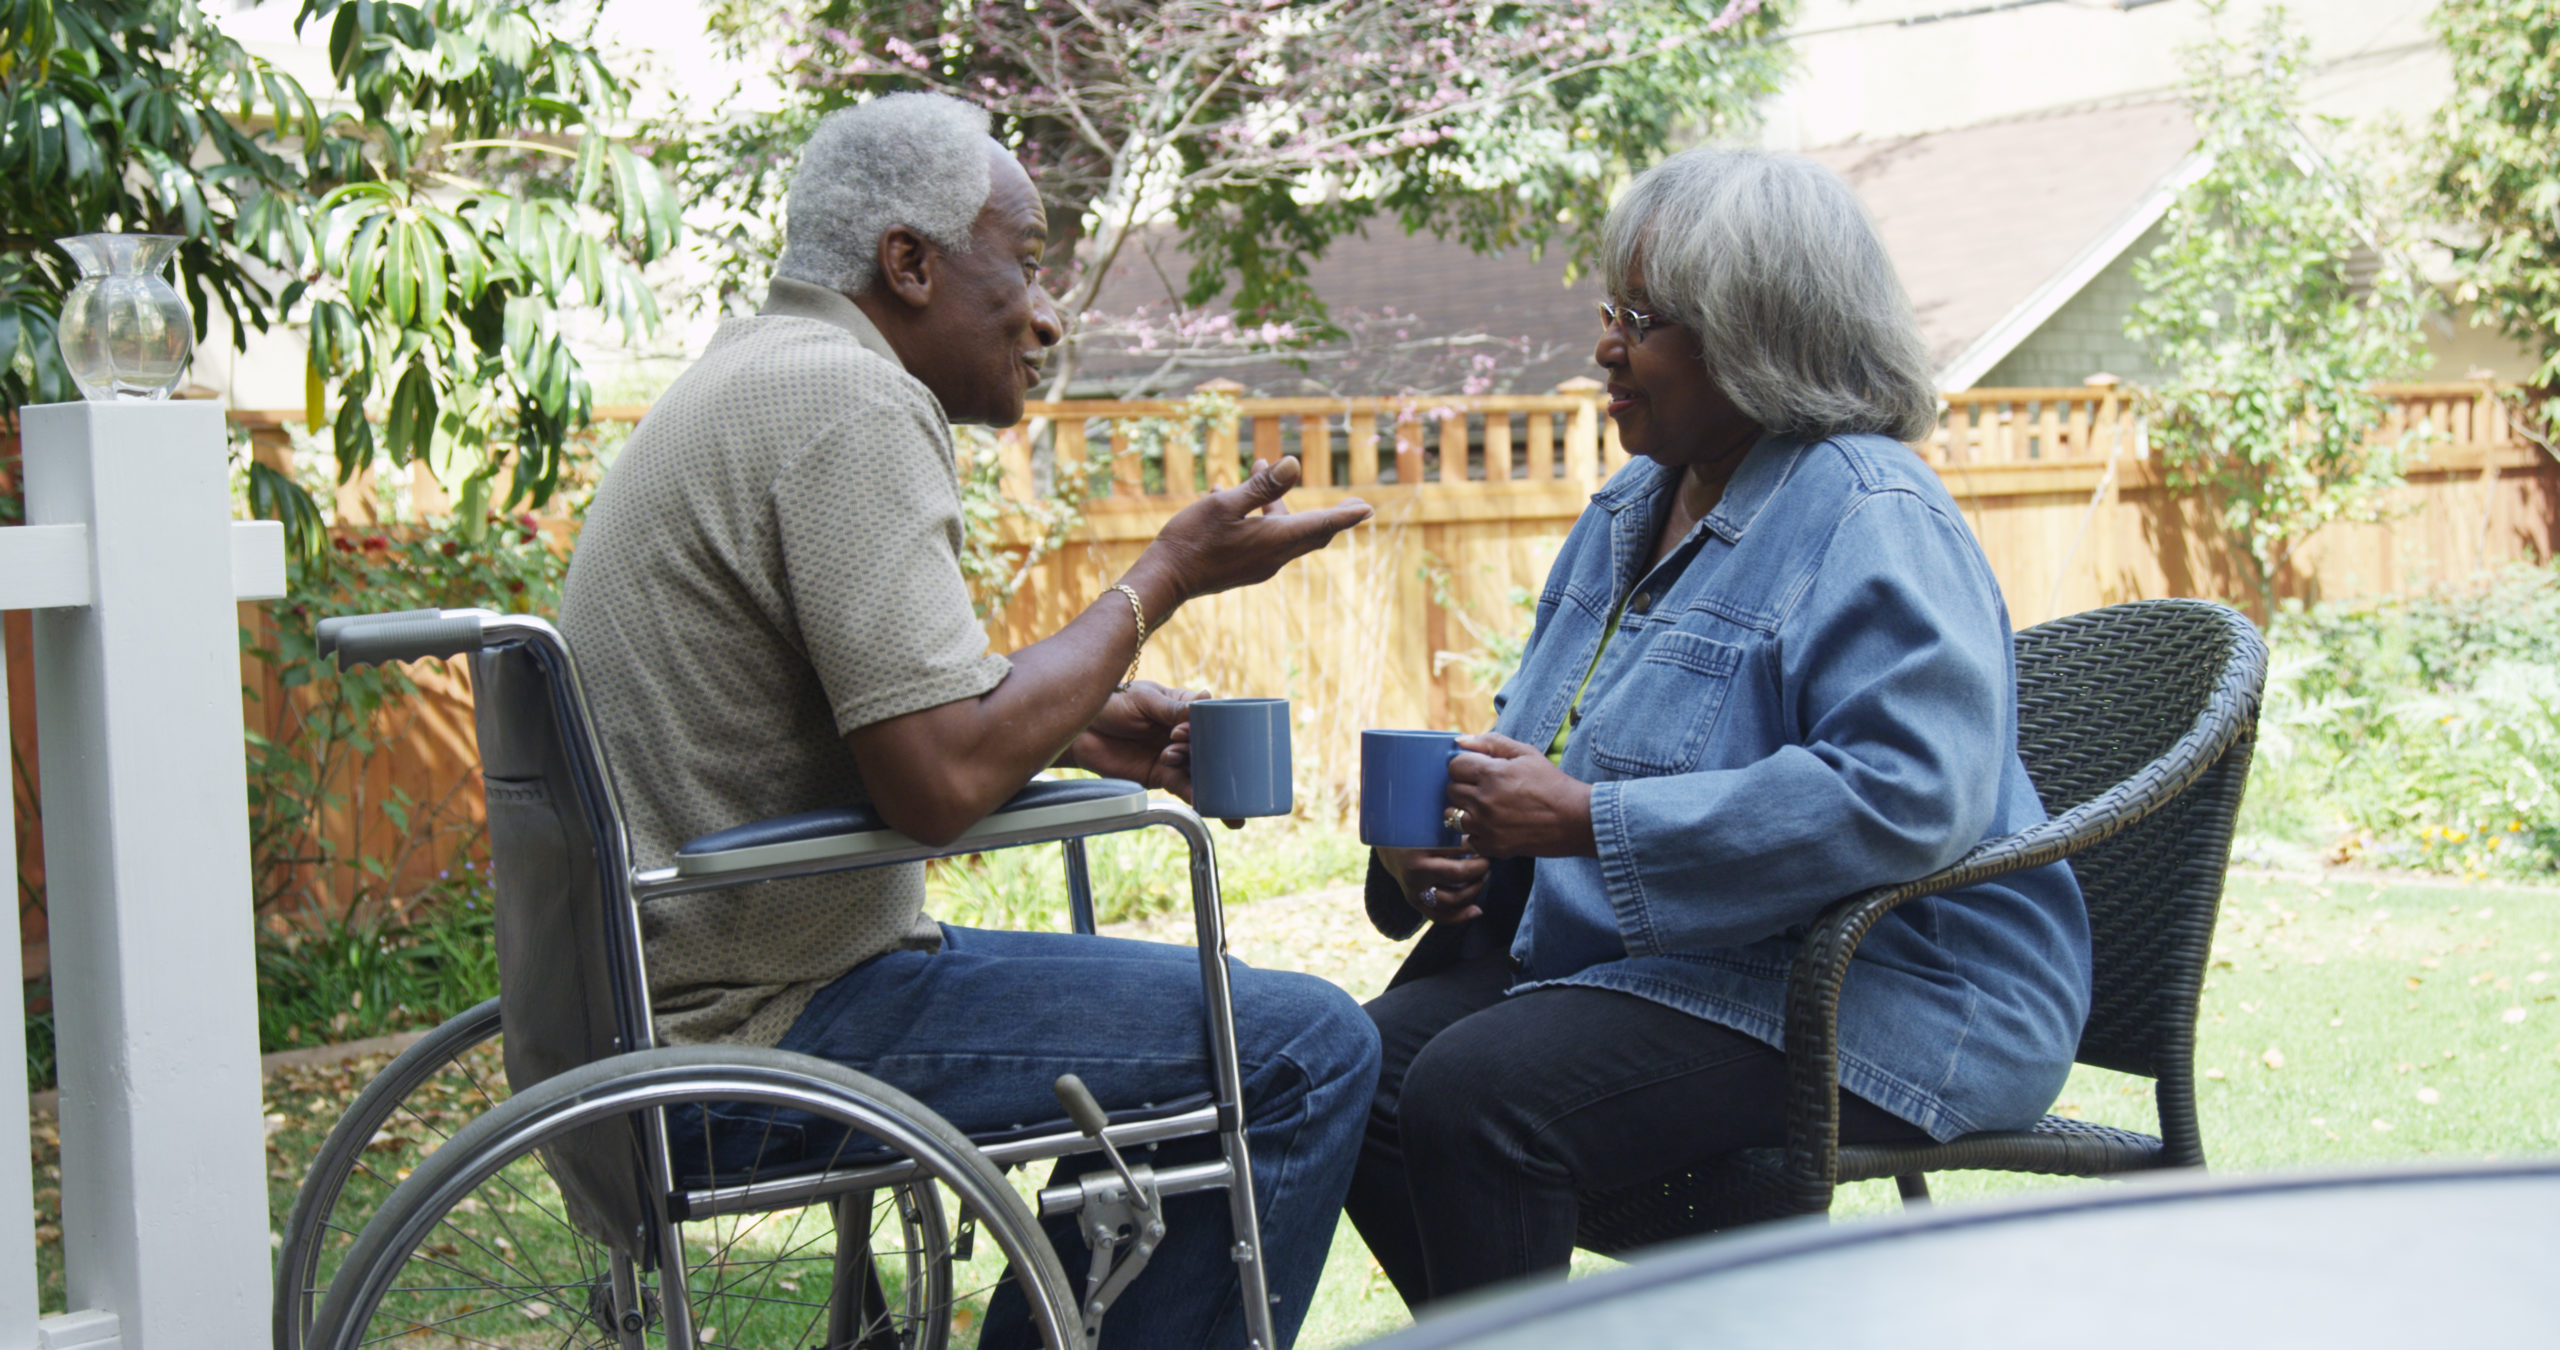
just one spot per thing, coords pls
(1404, 789)
(1240, 757)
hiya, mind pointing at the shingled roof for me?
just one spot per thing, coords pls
(1993, 227)
(1436, 289)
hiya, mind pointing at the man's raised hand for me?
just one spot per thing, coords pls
(1245, 534)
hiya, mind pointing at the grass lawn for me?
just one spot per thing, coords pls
(2348, 1020)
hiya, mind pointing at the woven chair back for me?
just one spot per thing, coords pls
(2102, 696)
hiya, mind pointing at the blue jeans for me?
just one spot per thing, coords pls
(979, 1030)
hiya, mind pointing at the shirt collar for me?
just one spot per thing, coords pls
(1763, 470)
(789, 299)
(1757, 479)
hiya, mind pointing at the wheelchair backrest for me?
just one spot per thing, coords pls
(2102, 698)
(571, 988)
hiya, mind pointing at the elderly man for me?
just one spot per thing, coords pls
(770, 614)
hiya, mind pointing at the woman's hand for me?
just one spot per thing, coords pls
(1441, 883)
(1509, 802)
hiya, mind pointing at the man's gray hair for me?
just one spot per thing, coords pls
(1770, 259)
(918, 160)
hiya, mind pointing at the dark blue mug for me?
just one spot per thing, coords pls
(1404, 788)
(1240, 757)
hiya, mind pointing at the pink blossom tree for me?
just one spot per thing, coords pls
(1247, 135)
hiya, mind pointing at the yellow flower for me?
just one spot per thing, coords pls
(2515, 826)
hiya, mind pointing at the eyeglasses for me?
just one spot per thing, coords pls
(1627, 322)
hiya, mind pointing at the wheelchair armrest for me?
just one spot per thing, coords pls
(843, 834)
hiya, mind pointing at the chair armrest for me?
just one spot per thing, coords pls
(1831, 941)
(844, 835)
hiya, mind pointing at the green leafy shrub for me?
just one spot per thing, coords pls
(306, 812)
(2272, 333)
(344, 952)
(2419, 733)
(347, 978)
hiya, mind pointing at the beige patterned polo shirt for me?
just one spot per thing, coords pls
(771, 562)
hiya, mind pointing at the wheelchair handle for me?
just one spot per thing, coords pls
(1081, 1107)
(408, 635)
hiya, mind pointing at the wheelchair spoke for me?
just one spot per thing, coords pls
(730, 1289)
(500, 1264)
(520, 1304)
(510, 1237)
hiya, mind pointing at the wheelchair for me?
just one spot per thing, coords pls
(539, 1171)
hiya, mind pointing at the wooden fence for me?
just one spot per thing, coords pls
(1475, 495)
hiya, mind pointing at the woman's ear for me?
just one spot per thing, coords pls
(907, 265)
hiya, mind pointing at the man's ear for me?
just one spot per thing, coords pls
(907, 263)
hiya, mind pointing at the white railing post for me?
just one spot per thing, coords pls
(41, 566)
(133, 564)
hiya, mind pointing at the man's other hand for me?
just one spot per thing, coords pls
(1143, 735)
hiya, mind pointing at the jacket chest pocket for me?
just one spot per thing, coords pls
(1658, 715)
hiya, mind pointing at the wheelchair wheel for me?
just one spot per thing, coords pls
(451, 1076)
(477, 1248)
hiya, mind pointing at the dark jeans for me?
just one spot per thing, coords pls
(1493, 1111)
(979, 1030)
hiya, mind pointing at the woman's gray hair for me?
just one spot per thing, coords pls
(918, 160)
(1770, 259)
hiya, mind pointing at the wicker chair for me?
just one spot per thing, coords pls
(2136, 722)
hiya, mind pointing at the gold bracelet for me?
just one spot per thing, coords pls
(1137, 611)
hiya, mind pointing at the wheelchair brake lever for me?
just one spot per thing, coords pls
(1091, 1120)
(1107, 1212)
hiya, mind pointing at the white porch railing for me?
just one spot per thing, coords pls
(132, 564)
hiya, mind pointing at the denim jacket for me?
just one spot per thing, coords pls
(1813, 695)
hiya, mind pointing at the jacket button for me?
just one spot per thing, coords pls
(1642, 602)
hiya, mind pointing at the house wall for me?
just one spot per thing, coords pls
(2085, 336)
(1877, 69)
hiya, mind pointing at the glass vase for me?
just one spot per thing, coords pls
(125, 331)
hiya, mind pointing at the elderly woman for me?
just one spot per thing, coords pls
(1770, 669)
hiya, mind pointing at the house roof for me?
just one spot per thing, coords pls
(1542, 329)
(1992, 226)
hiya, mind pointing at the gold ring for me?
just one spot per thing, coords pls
(1455, 818)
